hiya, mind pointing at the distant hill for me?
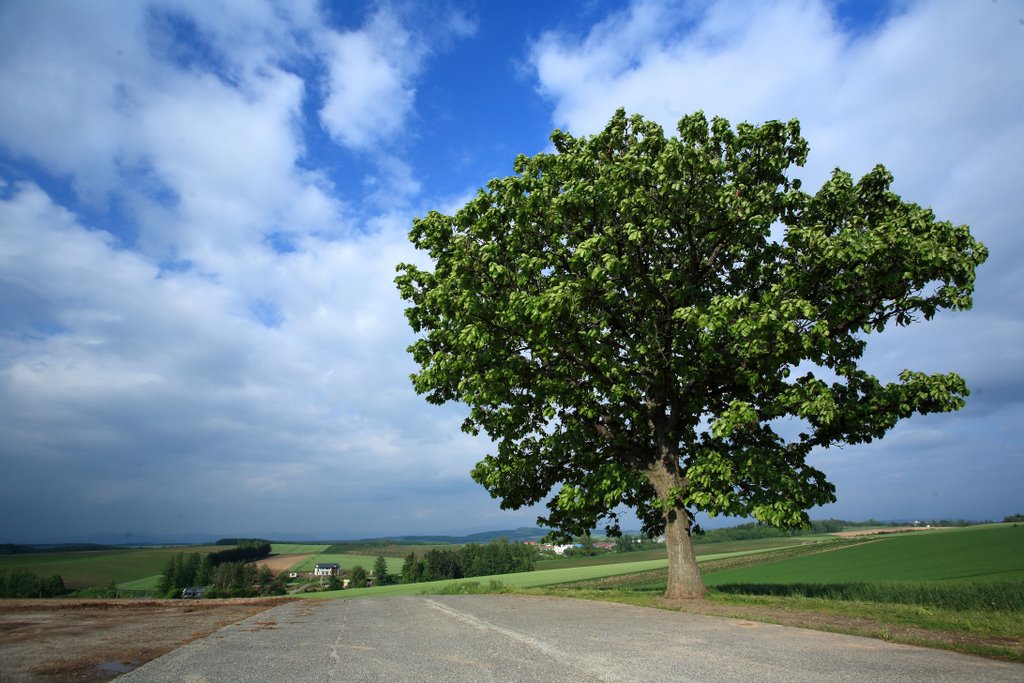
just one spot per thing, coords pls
(520, 534)
(139, 538)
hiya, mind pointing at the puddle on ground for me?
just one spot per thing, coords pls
(115, 667)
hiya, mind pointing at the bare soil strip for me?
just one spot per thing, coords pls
(884, 530)
(281, 563)
(95, 640)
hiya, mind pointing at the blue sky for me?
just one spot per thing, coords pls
(202, 205)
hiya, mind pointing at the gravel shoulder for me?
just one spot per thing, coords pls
(96, 640)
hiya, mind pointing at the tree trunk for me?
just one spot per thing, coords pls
(684, 582)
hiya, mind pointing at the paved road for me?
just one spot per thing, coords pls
(517, 638)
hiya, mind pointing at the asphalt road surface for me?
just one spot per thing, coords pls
(518, 638)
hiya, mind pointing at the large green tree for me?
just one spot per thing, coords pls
(670, 323)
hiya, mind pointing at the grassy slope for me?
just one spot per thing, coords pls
(521, 579)
(148, 583)
(975, 553)
(594, 568)
(705, 552)
(101, 567)
(296, 548)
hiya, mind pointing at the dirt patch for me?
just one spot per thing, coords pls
(884, 530)
(280, 563)
(858, 626)
(96, 640)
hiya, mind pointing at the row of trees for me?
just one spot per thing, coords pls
(243, 580)
(629, 544)
(224, 579)
(246, 551)
(472, 559)
(19, 583)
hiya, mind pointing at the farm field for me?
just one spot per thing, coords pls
(347, 562)
(389, 550)
(297, 548)
(609, 558)
(542, 577)
(568, 572)
(97, 568)
(993, 552)
(704, 552)
(148, 583)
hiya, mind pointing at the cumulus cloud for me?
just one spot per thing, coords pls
(232, 323)
(370, 93)
(142, 376)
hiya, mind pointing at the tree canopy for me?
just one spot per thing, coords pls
(671, 323)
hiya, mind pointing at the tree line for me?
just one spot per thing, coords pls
(19, 583)
(497, 557)
(225, 574)
(629, 544)
(248, 550)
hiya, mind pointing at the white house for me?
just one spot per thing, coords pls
(326, 569)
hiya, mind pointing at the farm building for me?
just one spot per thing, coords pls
(326, 569)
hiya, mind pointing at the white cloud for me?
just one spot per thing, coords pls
(369, 91)
(738, 61)
(135, 373)
(236, 322)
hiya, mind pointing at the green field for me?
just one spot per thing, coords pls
(97, 568)
(567, 571)
(297, 548)
(347, 562)
(148, 584)
(986, 553)
(544, 577)
(392, 550)
(704, 552)
(608, 558)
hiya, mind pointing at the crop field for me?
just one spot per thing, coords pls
(148, 583)
(609, 558)
(974, 553)
(704, 549)
(347, 562)
(704, 552)
(297, 548)
(86, 569)
(395, 550)
(543, 577)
